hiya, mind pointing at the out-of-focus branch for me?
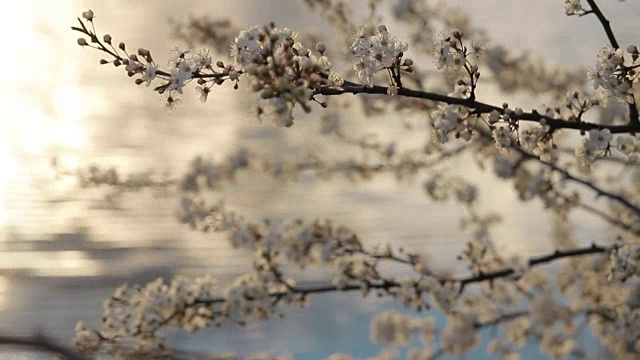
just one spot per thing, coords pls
(534, 261)
(598, 190)
(42, 343)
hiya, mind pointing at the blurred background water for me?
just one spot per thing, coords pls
(63, 249)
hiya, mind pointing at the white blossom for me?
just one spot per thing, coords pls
(391, 328)
(373, 52)
(149, 74)
(179, 77)
(572, 6)
(460, 335)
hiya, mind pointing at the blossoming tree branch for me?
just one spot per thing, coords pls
(557, 154)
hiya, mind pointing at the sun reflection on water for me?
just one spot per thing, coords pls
(45, 107)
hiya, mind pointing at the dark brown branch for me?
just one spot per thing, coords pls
(386, 285)
(605, 23)
(534, 261)
(634, 117)
(478, 107)
(42, 343)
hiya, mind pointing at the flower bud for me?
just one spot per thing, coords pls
(88, 15)
(107, 38)
(122, 46)
(82, 41)
(321, 47)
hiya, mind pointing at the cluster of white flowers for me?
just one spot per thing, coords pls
(374, 51)
(450, 119)
(572, 7)
(281, 70)
(210, 174)
(450, 53)
(460, 335)
(612, 75)
(597, 144)
(502, 125)
(137, 312)
(440, 187)
(624, 262)
(630, 147)
(393, 328)
(539, 142)
(502, 136)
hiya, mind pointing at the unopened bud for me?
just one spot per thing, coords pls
(321, 47)
(88, 15)
(107, 38)
(122, 46)
(82, 41)
(103, 61)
